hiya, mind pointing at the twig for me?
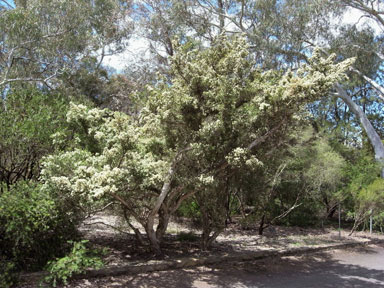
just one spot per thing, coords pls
(108, 225)
(99, 210)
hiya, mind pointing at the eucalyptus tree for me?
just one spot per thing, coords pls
(41, 40)
(274, 29)
(373, 10)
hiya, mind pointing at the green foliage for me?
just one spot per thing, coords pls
(309, 214)
(189, 209)
(378, 221)
(249, 221)
(8, 273)
(187, 237)
(323, 175)
(361, 172)
(46, 40)
(364, 192)
(354, 42)
(371, 197)
(33, 225)
(306, 173)
(76, 262)
(28, 118)
(326, 166)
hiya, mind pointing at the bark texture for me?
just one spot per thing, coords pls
(373, 137)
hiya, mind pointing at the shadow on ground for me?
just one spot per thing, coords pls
(327, 269)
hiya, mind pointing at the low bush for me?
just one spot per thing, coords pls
(8, 273)
(76, 262)
(33, 225)
(187, 237)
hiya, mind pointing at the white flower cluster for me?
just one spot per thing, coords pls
(241, 157)
(122, 162)
(206, 180)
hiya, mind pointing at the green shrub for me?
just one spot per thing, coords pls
(28, 118)
(8, 274)
(189, 209)
(33, 226)
(249, 222)
(187, 237)
(76, 262)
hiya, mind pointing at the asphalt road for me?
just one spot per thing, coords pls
(358, 267)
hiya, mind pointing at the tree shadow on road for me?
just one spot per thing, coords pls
(315, 270)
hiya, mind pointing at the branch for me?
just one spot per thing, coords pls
(360, 5)
(284, 214)
(242, 15)
(127, 205)
(137, 232)
(181, 199)
(373, 137)
(167, 184)
(29, 79)
(9, 5)
(101, 58)
(375, 85)
(43, 37)
(279, 171)
(213, 10)
(106, 224)
(263, 138)
(99, 210)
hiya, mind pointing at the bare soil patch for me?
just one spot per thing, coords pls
(182, 240)
(123, 249)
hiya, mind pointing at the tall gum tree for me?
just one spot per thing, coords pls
(374, 10)
(41, 40)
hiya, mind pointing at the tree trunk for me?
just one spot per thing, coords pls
(358, 220)
(373, 137)
(213, 238)
(152, 237)
(138, 235)
(207, 239)
(153, 241)
(331, 212)
(261, 225)
(221, 15)
(228, 218)
(163, 223)
(206, 227)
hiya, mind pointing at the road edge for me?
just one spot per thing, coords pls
(191, 262)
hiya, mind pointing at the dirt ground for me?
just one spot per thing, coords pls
(123, 249)
(357, 267)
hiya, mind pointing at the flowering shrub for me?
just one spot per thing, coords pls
(218, 115)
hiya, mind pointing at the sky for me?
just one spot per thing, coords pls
(137, 47)
(354, 17)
